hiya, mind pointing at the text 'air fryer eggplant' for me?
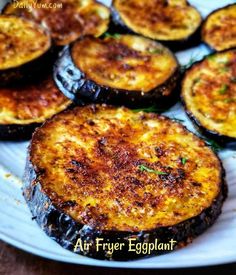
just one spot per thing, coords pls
(111, 173)
(66, 20)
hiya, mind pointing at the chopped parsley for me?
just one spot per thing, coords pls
(213, 144)
(147, 169)
(196, 80)
(177, 119)
(152, 109)
(184, 160)
(211, 57)
(223, 89)
(191, 61)
(114, 35)
(229, 100)
(153, 51)
(224, 69)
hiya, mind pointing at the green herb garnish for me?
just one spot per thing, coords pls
(229, 100)
(224, 69)
(113, 35)
(213, 144)
(191, 61)
(152, 109)
(211, 57)
(184, 160)
(153, 51)
(145, 168)
(196, 80)
(223, 89)
(177, 119)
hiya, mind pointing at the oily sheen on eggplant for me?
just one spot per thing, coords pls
(66, 20)
(23, 107)
(219, 28)
(25, 48)
(123, 70)
(175, 23)
(209, 96)
(111, 173)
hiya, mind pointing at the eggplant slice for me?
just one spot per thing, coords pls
(123, 70)
(172, 22)
(209, 95)
(219, 29)
(25, 48)
(26, 106)
(66, 20)
(111, 173)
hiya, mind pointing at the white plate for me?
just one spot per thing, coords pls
(215, 246)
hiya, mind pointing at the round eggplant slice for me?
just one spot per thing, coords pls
(209, 95)
(172, 22)
(26, 106)
(24, 48)
(101, 174)
(66, 20)
(219, 29)
(123, 70)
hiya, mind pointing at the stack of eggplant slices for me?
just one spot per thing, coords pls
(104, 166)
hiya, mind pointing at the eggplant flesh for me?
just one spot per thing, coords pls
(26, 48)
(210, 102)
(24, 107)
(172, 32)
(220, 34)
(59, 213)
(75, 83)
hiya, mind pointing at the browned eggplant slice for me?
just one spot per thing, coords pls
(175, 23)
(26, 106)
(219, 28)
(67, 20)
(24, 48)
(123, 69)
(209, 94)
(111, 173)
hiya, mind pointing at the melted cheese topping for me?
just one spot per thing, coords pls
(219, 30)
(74, 19)
(209, 92)
(157, 19)
(125, 62)
(20, 41)
(91, 163)
(31, 103)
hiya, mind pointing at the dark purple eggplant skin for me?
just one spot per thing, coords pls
(74, 84)
(222, 140)
(15, 132)
(66, 231)
(118, 26)
(204, 22)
